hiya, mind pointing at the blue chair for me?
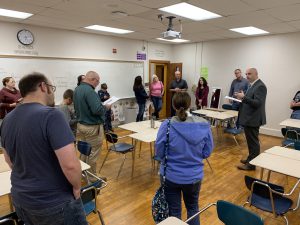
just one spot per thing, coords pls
(290, 137)
(269, 197)
(89, 198)
(85, 149)
(121, 148)
(11, 219)
(234, 131)
(231, 214)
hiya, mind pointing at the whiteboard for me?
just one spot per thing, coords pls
(118, 75)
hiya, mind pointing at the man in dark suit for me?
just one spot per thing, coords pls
(252, 115)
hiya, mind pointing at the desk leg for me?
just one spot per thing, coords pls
(269, 174)
(151, 155)
(140, 149)
(133, 157)
(261, 173)
(10, 203)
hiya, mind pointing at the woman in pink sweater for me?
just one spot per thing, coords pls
(156, 93)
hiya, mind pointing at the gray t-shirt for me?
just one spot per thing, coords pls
(30, 135)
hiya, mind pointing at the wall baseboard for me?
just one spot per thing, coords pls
(271, 132)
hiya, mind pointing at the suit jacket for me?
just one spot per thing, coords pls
(252, 111)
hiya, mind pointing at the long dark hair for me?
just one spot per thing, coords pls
(137, 83)
(79, 79)
(204, 82)
(181, 102)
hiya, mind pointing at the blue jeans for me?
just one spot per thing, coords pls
(140, 114)
(190, 197)
(157, 103)
(68, 213)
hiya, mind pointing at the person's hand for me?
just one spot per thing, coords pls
(177, 89)
(239, 95)
(108, 106)
(13, 105)
(76, 193)
(230, 101)
(105, 97)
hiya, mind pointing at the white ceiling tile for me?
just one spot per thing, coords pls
(295, 24)
(280, 28)
(268, 4)
(286, 13)
(153, 3)
(223, 7)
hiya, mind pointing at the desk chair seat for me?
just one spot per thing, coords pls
(234, 132)
(269, 197)
(231, 214)
(121, 148)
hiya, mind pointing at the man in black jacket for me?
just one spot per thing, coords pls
(252, 115)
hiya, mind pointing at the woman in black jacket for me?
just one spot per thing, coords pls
(140, 96)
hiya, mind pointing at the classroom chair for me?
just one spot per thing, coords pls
(89, 195)
(234, 131)
(270, 197)
(121, 148)
(290, 137)
(231, 214)
(85, 148)
(11, 219)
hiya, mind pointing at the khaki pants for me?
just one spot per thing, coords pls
(93, 135)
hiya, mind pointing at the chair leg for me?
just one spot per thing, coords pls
(286, 220)
(121, 166)
(108, 151)
(209, 165)
(100, 217)
(235, 140)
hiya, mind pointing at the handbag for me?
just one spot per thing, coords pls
(160, 207)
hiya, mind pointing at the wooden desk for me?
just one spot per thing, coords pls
(284, 152)
(172, 221)
(3, 165)
(290, 123)
(139, 126)
(277, 163)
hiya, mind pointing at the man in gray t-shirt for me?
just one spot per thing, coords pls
(39, 148)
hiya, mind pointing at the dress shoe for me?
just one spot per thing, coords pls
(246, 166)
(244, 161)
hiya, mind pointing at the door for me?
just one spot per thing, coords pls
(171, 76)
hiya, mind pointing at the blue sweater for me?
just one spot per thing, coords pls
(190, 142)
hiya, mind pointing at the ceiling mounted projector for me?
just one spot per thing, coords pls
(170, 34)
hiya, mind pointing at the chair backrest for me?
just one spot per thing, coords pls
(291, 134)
(297, 145)
(11, 219)
(260, 189)
(111, 137)
(84, 148)
(231, 214)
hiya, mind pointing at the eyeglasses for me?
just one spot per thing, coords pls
(52, 87)
(248, 73)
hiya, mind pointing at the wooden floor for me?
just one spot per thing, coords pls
(127, 201)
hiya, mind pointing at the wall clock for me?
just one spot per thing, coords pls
(25, 37)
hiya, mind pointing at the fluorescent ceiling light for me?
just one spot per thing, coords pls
(108, 29)
(249, 30)
(189, 11)
(174, 40)
(15, 14)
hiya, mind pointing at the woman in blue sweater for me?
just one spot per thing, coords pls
(190, 141)
(141, 96)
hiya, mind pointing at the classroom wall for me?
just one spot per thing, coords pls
(51, 42)
(275, 56)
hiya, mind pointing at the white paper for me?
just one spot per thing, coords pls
(111, 100)
(233, 99)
